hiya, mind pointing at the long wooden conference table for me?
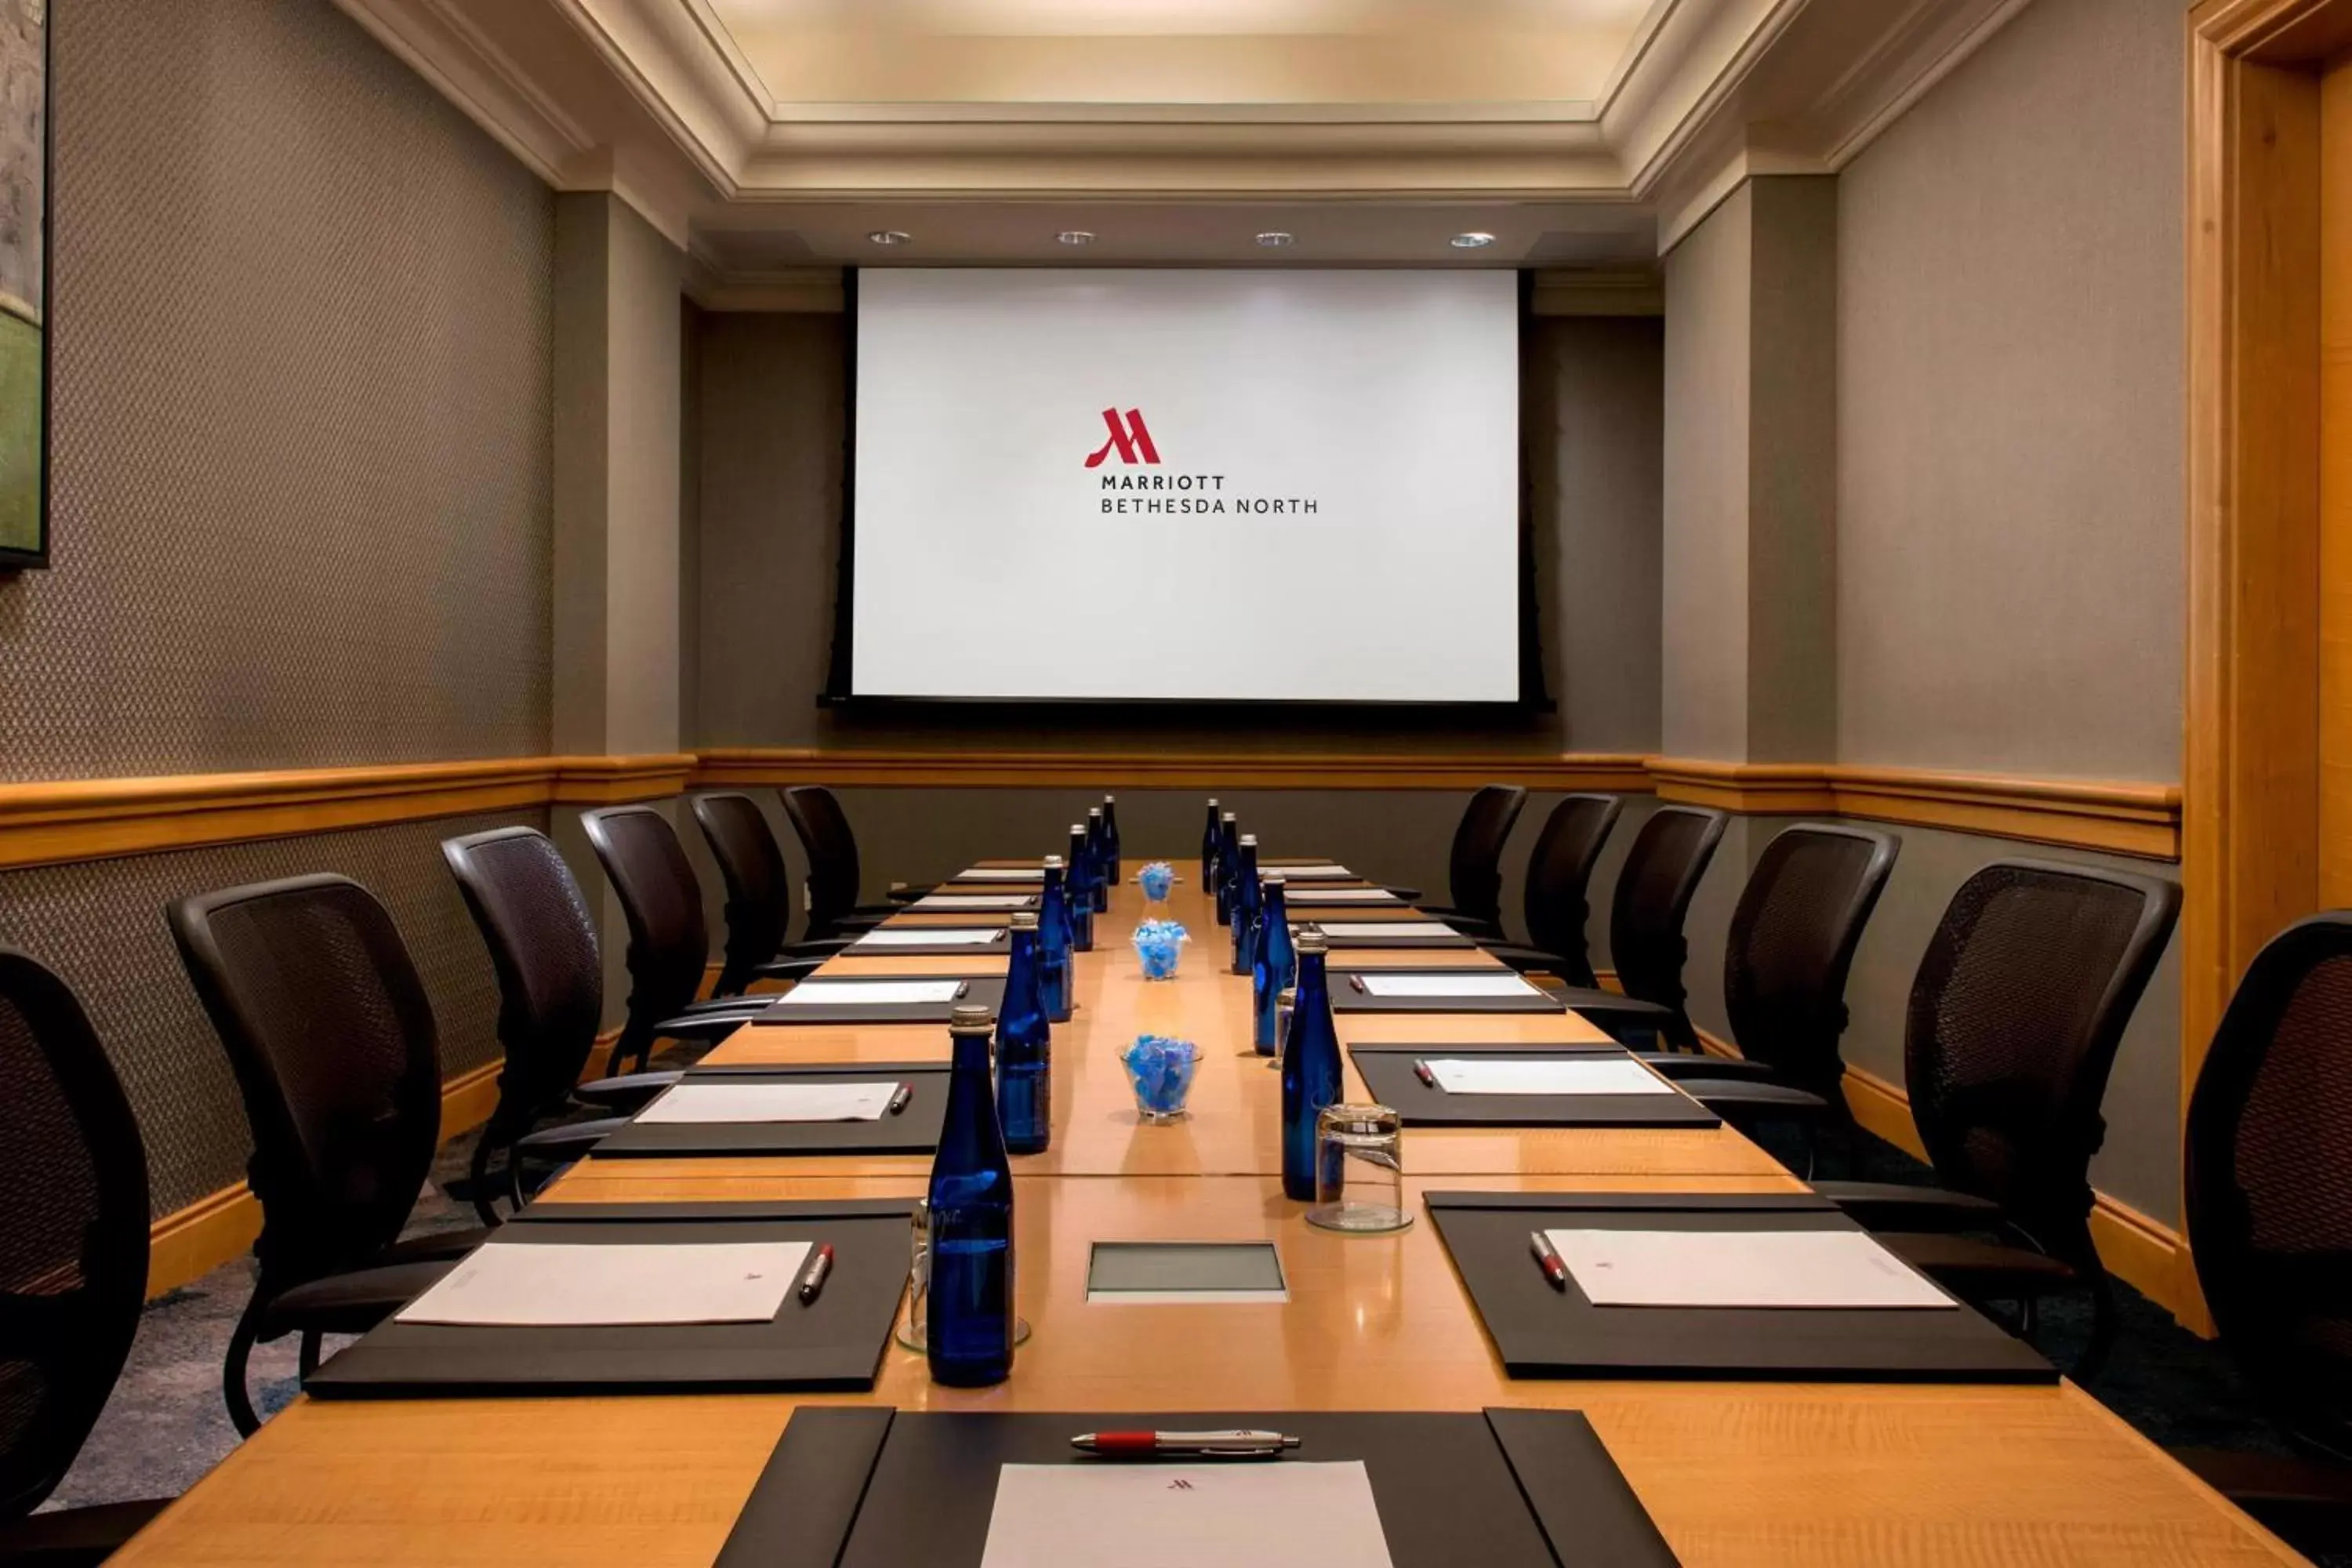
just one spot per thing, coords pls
(1872, 1474)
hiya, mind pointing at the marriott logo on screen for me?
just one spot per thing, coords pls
(1180, 494)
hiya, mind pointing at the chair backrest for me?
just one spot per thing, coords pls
(1791, 946)
(1559, 874)
(1654, 887)
(2018, 1005)
(542, 944)
(2268, 1177)
(822, 829)
(332, 1038)
(662, 903)
(1473, 873)
(73, 1247)
(759, 887)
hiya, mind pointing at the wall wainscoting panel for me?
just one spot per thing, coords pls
(737, 767)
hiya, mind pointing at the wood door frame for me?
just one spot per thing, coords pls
(2250, 821)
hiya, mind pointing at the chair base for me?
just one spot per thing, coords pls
(74, 1537)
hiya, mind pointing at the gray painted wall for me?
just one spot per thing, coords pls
(2011, 481)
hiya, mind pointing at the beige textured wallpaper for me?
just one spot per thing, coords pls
(2009, 496)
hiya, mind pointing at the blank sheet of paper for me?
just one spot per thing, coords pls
(959, 936)
(1392, 931)
(1185, 1516)
(707, 1102)
(1500, 1075)
(1740, 1268)
(568, 1285)
(1308, 873)
(1349, 895)
(1447, 985)
(1003, 874)
(868, 993)
(974, 901)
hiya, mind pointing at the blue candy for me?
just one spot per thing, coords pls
(1162, 1071)
(1159, 943)
(1157, 878)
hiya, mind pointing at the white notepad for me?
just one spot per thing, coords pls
(1555, 1074)
(1296, 873)
(1003, 874)
(1349, 895)
(1465, 985)
(566, 1285)
(917, 936)
(1389, 929)
(868, 993)
(1740, 1268)
(974, 901)
(707, 1102)
(1186, 1516)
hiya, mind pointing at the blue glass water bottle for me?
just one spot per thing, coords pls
(1208, 867)
(968, 1322)
(1111, 839)
(1229, 861)
(1053, 968)
(1248, 902)
(1024, 1047)
(1081, 893)
(1099, 852)
(1276, 968)
(1310, 1070)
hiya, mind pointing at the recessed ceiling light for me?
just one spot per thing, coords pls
(1274, 239)
(1473, 241)
(889, 237)
(1076, 236)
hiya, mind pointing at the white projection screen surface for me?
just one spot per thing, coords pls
(1218, 486)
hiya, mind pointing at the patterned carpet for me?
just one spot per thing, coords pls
(166, 1424)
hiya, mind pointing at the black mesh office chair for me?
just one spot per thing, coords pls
(2017, 1010)
(835, 873)
(1655, 888)
(1474, 869)
(669, 943)
(1556, 901)
(73, 1263)
(328, 1028)
(758, 895)
(542, 946)
(2269, 1186)
(1791, 948)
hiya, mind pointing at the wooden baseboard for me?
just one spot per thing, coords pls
(192, 1242)
(2145, 1253)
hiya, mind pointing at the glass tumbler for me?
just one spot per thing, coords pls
(914, 1328)
(1359, 1171)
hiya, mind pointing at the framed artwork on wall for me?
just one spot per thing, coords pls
(24, 283)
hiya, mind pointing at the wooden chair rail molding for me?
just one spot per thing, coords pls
(90, 819)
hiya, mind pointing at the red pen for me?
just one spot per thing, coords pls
(1358, 982)
(899, 1100)
(1421, 1070)
(1553, 1268)
(813, 1282)
(1188, 1444)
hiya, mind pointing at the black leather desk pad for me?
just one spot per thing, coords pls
(1347, 998)
(980, 991)
(834, 1343)
(1387, 1071)
(1293, 894)
(914, 1130)
(1541, 1331)
(1503, 1488)
(997, 949)
(1450, 939)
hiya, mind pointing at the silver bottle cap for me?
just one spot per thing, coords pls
(1025, 920)
(1077, 827)
(1229, 817)
(1055, 863)
(1213, 803)
(1110, 800)
(1250, 839)
(1273, 879)
(971, 1018)
(1313, 940)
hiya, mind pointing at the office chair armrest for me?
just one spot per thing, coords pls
(707, 1028)
(1981, 1270)
(848, 927)
(626, 1092)
(1679, 1065)
(1891, 1205)
(2308, 1501)
(715, 1006)
(1410, 895)
(874, 912)
(1591, 1000)
(819, 947)
(911, 891)
(1740, 1101)
(350, 1303)
(569, 1141)
(67, 1537)
(788, 968)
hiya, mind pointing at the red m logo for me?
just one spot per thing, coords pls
(1130, 440)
